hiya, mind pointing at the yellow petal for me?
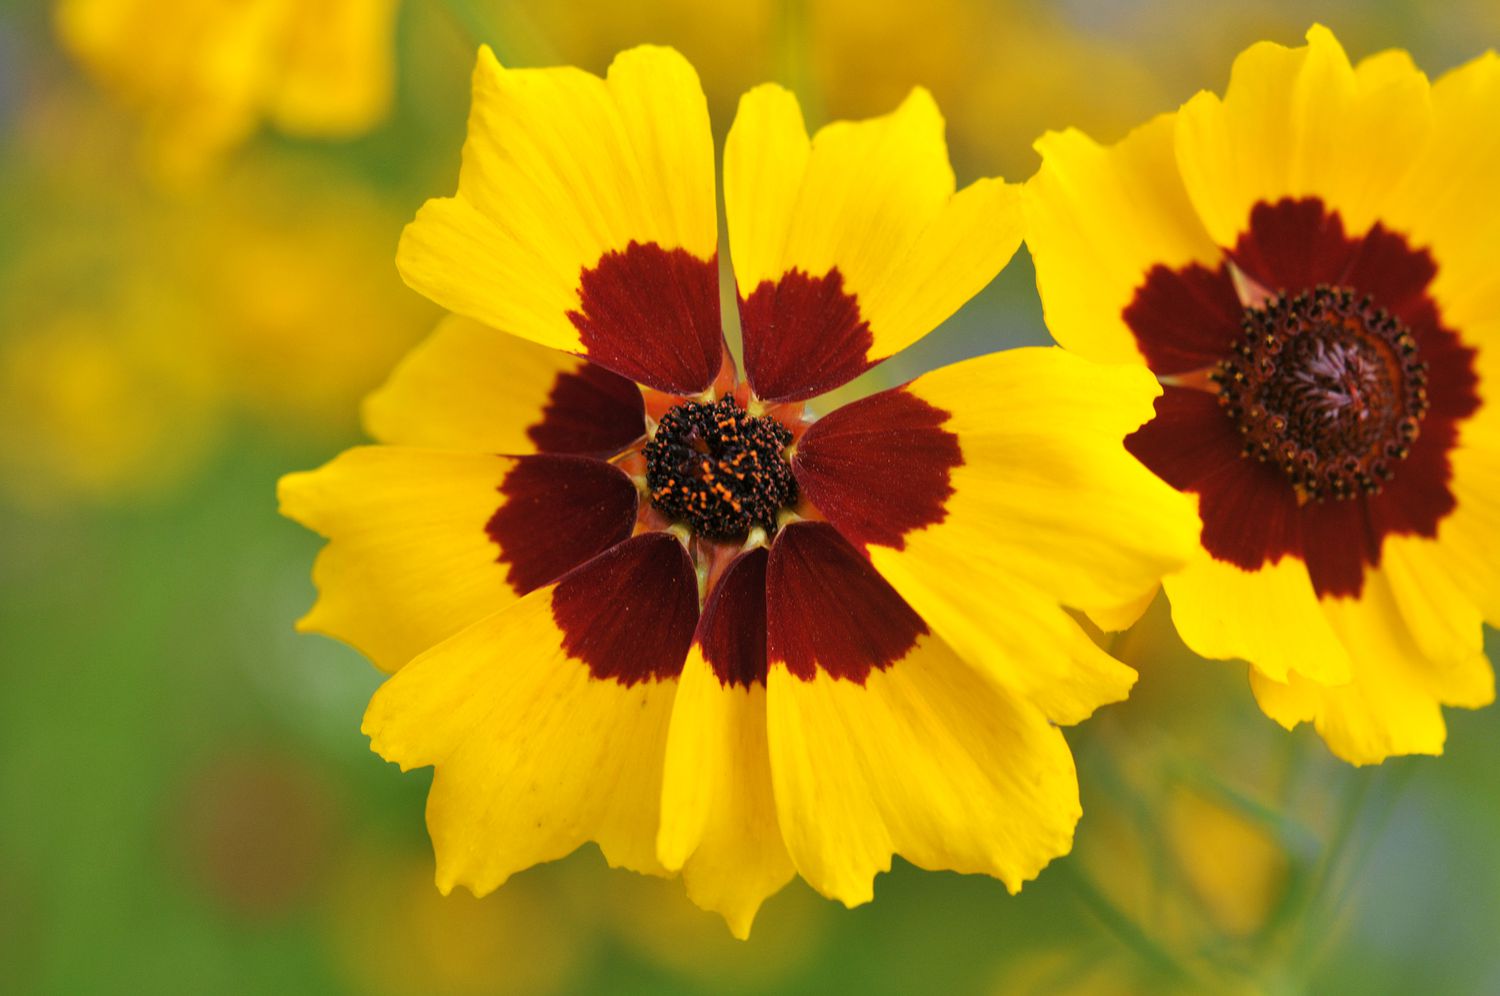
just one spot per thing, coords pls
(561, 167)
(1017, 635)
(1046, 478)
(1269, 617)
(1466, 545)
(1449, 201)
(765, 161)
(929, 760)
(718, 812)
(1047, 508)
(873, 200)
(1097, 220)
(423, 543)
(1302, 122)
(1117, 618)
(534, 756)
(471, 388)
(409, 563)
(1393, 703)
(1445, 625)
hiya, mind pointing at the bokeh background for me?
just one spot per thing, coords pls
(188, 311)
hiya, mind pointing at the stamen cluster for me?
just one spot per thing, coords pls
(1329, 387)
(719, 468)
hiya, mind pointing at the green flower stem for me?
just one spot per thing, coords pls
(478, 22)
(1120, 924)
(506, 28)
(793, 57)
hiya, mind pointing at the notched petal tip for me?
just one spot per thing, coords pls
(770, 93)
(1320, 35)
(651, 56)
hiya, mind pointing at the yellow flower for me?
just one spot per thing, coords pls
(293, 264)
(110, 390)
(681, 618)
(206, 73)
(391, 934)
(133, 328)
(103, 406)
(1306, 264)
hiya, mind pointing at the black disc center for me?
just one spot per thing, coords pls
(1329, 387)
(720, 469)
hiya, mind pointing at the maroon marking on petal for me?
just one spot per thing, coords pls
(1417, 499)
(1187, 440)
(1337, 542)
(559, 511)
(1193, 446)
(1452, 384)
(1186, 319)
(1251, 513)
(879, 468)
(1384, 265)
(590, 411)
(828, 608)
(803, 336)
(1293, 245)
(732, 631)
(1256, 518)
(653, 316)
(630, 612)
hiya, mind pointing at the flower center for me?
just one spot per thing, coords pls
(1329, 387)
(719, 468)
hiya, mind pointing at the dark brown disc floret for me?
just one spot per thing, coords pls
(720, 469)
(1327, 386)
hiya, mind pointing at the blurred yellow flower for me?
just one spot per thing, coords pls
(649, 914)
(133, 326)
(101, 406)
(108, 387)
(392, 934)
(1232, 864)
(292, 261)
(206, 73)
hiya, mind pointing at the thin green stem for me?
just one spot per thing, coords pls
(1301, 920)
(1120, 924)
(477, 21)
(1346, 860)
(1289, 833)
(793, 55)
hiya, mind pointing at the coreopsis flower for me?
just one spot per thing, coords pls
(1307, 266)
(676, 615)
(206, 73)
